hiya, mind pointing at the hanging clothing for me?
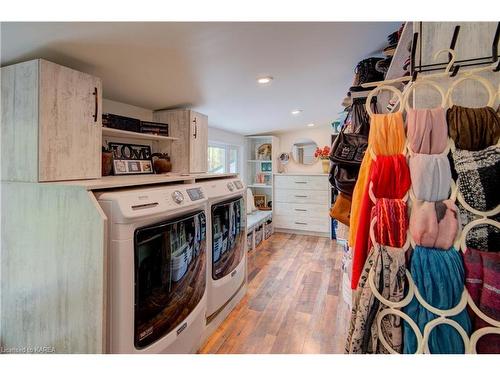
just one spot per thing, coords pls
(430, 176)
(473, 129)
(387, 137)
(434, 224)
(478, 174)
(427, 130)
(440, 278)
(482, 280)
(362, 338)
(391, 179)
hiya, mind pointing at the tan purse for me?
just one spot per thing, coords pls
(341, 209)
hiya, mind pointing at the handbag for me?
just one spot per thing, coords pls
(341, 209)
(365, 71)
(349, 149)
(344, 178)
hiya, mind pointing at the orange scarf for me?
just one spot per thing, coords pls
(387, 137)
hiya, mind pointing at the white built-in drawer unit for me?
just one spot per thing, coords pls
(301, 202)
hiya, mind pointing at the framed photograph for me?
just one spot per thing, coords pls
(264, 151)
(260, 200)
(131, 158)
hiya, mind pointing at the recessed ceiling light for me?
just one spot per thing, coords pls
(310, 125)
(296, 112)
(264, 80)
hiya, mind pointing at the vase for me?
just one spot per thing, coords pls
(326, 165)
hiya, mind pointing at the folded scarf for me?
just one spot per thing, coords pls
(434, 224)
(439, 277)
(392, 222)
(430, 177)
(391, 179)
(387, 137)
(427, 130)
(482, 280)
(478, 174)
(389, 267)
(473, 129)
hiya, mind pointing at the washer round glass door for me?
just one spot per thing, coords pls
(170, 269)
(228, 236)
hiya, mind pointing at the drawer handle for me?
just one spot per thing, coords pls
(301, 223)
(300, 209)
(301, 182)
(301, 196)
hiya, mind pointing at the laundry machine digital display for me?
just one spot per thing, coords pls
(170, 268)
(195, 194)
(228, 236)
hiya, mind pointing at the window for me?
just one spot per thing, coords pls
(223, 158)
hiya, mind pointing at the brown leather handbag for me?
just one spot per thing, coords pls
(341, 209)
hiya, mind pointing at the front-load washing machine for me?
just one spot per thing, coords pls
(226, 258)
(156, 269)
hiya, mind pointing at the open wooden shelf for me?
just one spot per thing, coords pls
(134, 135)
(263, 186)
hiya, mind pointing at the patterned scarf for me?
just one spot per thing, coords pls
(478, 175)
(482, 279)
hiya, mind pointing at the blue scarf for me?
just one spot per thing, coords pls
(440, 278)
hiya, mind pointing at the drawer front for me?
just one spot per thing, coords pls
(306, 224)
(301, 196)
(301, 182)
(301, 210)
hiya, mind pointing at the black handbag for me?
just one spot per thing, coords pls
(344, 178)
(348, 149)
(365, 71)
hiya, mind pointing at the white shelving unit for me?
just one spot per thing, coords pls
(256, 166)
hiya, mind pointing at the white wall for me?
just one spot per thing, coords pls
(320, 134)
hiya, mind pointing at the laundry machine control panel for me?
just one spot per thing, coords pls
(144, 202)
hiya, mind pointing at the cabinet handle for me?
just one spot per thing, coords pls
(301, 182)
(301, 196)
(96, 104)
(300, 209)
(195, 134)
(300, 223)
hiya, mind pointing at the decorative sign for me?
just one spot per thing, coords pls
(131, 159)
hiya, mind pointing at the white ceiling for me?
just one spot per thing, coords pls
(211, 67)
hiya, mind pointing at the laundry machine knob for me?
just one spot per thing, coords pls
(177, 197)
(230, 186)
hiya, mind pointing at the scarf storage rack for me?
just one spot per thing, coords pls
(482, 218)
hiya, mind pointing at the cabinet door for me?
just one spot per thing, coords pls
(198, 143)
(70, 135)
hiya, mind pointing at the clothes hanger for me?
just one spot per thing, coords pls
(373, 198)
(411, 323)
(478, 334)
(486, 84)
(421, 83)
(376, 90)
(442, 320)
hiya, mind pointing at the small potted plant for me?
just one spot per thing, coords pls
(323, 154)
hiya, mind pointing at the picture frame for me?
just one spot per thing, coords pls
(260, 200)
(266, 167)
(129, 158)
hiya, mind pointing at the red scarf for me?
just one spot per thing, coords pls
(391, 179)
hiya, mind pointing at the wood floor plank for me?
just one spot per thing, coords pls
(293, 303)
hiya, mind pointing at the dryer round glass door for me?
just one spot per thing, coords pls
(170, 269)
(228, 236)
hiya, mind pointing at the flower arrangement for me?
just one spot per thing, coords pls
(322, 153)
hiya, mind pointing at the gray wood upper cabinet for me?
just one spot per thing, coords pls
(190, 153)
(51, 123)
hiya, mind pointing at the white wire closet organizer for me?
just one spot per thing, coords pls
(481, 218)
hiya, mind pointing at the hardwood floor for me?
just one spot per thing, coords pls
(293, 304)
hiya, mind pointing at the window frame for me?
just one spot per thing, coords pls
(228, 147)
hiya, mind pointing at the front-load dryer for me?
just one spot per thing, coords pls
(156, 269)
(226, 255)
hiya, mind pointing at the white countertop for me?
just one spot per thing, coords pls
(110, 182)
